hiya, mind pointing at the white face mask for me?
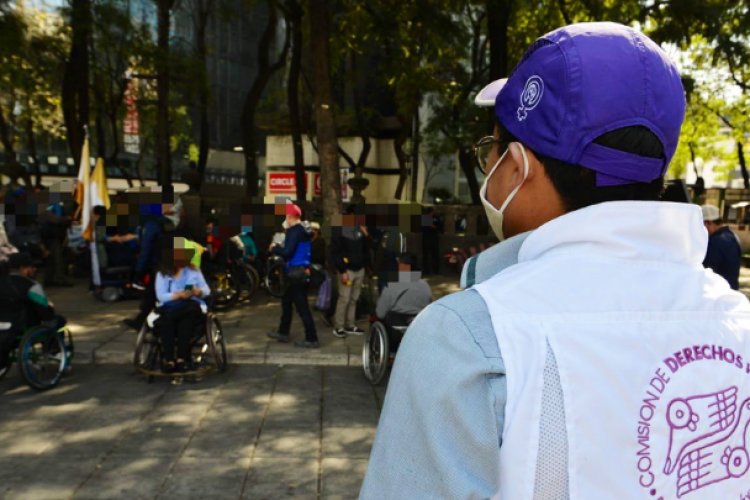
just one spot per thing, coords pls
(495, 215)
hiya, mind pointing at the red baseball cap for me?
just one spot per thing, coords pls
(293, 210)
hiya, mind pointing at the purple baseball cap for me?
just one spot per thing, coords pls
(584, 80)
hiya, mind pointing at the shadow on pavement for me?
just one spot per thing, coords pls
(257, 431)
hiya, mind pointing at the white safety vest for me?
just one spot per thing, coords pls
(652, 353)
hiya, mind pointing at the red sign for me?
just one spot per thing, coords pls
(282, 182)
(131, 124)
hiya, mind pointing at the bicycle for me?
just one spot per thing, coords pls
(43, 354)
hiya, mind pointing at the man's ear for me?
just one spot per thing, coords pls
(535, 166)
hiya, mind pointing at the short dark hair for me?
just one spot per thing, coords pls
(100, 210)
(576, 185)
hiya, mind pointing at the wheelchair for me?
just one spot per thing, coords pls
(116, 285)
(42, 353)
(207, 346)
(381, 343)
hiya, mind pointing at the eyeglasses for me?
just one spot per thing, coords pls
(482, 150)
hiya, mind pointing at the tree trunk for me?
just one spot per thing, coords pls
(295, 15)
(325, 122)
(75, 86)
(498, 20)
(415, 140)
(743, 165)
(7, 139)
(163, 153)
(201, 17)
(467, 163)
(398, 147)
(265, 72)
(364, 130)
(31, 144)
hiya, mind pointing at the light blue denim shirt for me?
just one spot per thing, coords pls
(166, 285)
(453, 378)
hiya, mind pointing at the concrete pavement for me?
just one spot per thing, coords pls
(101, 339)
(257, 431)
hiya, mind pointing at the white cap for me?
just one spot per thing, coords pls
(486, 97)
(710, 213)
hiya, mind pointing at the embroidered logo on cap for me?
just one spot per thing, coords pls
(530, 96)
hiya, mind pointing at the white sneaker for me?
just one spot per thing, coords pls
(354, 330)
(339, 332)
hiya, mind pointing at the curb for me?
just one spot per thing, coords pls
(100, 357)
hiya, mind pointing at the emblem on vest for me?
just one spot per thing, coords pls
(530, 96)
(706, 433)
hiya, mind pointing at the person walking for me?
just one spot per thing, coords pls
(350, 256)
(723, 254)
(606, 362)
(296, 254)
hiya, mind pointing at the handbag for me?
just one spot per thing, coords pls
(323, 302)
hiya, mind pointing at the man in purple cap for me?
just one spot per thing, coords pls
(606, 362)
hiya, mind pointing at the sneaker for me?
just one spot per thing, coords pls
(307, 344)
(278, 336)
(354, 330)
(339, 332)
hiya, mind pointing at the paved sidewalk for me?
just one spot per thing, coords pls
(255, 432)
(101, 339)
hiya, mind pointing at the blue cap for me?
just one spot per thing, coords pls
(579, 82)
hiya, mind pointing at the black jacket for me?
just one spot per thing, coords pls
(23, 302)
(350, 249)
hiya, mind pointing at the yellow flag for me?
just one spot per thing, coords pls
(99, 191)
(83, 174)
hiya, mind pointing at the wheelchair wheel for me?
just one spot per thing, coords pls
(225, 290)
(375, 353)
(249, 279)
(216, 344)
(42, 358)
(275, 279)
(147, 355)
(110, 294)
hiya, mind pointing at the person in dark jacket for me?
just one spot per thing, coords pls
(350, 255)
(153, 232)
(296, 254)
(23, 303)
(724, 251)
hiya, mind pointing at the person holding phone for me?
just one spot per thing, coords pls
(180, 292)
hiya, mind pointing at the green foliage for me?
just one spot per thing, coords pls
(716, 116)
(32, 47)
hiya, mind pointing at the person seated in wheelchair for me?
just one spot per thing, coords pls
(112, 248)
(23, 303)
(404, 296)
(181, 290)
